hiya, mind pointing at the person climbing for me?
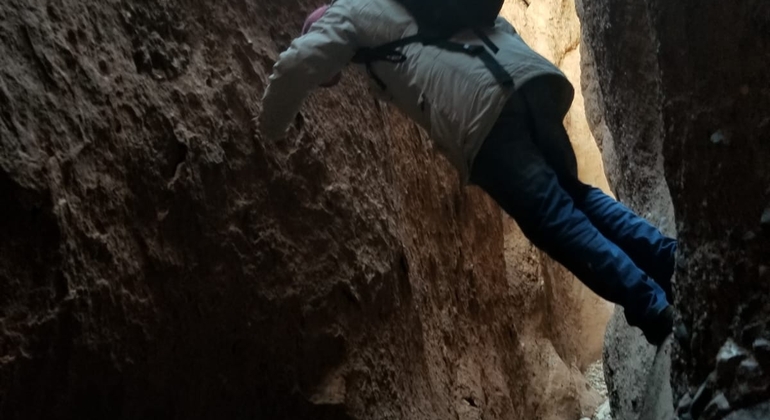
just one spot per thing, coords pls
(494, 108)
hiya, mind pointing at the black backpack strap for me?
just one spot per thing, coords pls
(498, 71)
(485, 39)
(386, 52)
(390, 52)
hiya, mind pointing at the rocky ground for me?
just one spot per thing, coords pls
(595, 376)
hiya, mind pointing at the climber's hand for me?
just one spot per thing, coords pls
(269, 129)
(272, 132)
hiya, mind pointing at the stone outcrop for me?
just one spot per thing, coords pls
(160, 259)
(622, 108)
(680, 89)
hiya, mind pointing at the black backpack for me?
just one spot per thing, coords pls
(438, 21)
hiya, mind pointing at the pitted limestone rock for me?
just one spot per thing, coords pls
(761, 349)
(751, 383)
(717, 408)
(730, 356)
(739, 381)
(703, 396)
(756, 412)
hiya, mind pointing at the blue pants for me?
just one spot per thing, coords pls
(528, 167)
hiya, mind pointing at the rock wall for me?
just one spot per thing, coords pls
(160, 259)
(681, 87)
(620, 78)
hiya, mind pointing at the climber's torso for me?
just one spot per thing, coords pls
(452, 95)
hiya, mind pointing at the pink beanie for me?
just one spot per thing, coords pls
(313, 18)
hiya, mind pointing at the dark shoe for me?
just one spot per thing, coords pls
(657, 329)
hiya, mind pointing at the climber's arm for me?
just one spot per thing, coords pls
(311, 60)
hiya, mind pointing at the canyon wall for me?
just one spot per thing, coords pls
(161, 259)
(682, 88)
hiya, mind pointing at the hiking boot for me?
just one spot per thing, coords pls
(657, 329)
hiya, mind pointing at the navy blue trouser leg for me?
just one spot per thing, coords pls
(650, 250)
(514, 168)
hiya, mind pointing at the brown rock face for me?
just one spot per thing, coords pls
(159, 259)
(682, 86)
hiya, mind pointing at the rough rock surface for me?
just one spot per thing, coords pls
(681, 89)
(622, 92)
(756, 412)
(161, 260)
